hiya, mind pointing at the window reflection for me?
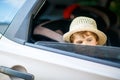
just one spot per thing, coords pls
(8, 9)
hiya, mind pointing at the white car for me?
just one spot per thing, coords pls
(22, 56)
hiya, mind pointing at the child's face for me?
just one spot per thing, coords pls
(85, 40)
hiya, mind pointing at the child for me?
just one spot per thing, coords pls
(83, 30)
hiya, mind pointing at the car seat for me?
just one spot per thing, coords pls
(54, 25)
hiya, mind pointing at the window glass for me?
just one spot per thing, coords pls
(101, 54)
(8, 10)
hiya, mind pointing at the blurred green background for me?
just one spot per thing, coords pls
(113, 5)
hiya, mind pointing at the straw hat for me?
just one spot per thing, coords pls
(85, 24)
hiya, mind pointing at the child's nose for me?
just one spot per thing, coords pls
(84, 43)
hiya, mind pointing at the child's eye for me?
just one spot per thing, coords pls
(89, 40)
(80, 42)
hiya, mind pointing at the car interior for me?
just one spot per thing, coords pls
(51, 16)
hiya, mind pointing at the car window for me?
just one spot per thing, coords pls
(8, 10)
(54, 12)
(51, 16)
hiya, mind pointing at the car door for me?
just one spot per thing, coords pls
(20, 58)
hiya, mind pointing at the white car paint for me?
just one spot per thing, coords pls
(47, 65)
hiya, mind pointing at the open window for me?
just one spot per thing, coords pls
(50, 16)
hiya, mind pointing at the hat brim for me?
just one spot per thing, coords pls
(102, 37)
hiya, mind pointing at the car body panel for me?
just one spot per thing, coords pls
(49, 65)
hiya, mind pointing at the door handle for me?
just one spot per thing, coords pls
(15, 73)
